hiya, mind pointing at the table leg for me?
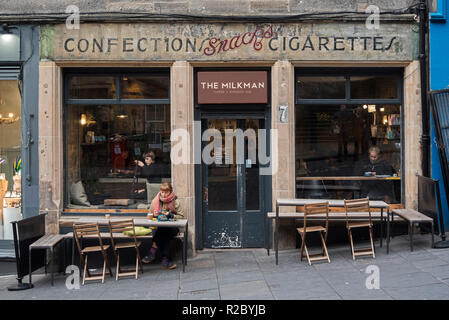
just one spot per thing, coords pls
(410, 231)
(29, 261)
(184, 262)
(51, 267)
(388, 231)
(276, 234)
(381, 225)
(431, 232)
(73, 249)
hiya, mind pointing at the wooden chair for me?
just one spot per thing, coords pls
(359, 205)
(120, 227)
(91, 231)
(309, 210)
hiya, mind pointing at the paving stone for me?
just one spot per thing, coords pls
(435, 291)
(244, 290)
(212, 294)
(406, 280)
(440, 272)
(237, 277)
(197, 285)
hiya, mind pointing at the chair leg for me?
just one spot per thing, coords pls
(104, 271)
(140, 260)
(431, 232)
(307, 254)
(302, 247)
(325, 253)
(352, 244)
(137, 267)
(371, 239)
(117, 272)
(85, 267)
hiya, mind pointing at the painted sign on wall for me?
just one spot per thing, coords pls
(227, 42)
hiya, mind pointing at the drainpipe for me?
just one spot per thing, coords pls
(425, 138)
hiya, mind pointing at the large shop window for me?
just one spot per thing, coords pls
(10, 157)
(117, 139)
(348, 135)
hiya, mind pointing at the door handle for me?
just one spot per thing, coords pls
(29, 142)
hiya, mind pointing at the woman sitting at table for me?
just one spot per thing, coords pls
(165, 200)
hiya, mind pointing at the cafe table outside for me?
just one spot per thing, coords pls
(332, 203)
(143, 222)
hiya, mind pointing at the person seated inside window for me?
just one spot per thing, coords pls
(374, 166)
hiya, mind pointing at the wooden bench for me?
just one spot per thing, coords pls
(49, 241)
(412, 217)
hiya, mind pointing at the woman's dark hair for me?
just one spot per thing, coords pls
(149, 154)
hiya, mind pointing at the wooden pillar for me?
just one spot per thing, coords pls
(50, 144)
(412, 134)
(283, 180)
(182, 117)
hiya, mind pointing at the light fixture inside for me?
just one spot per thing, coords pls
(83, 119)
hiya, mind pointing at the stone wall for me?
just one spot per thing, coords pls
(201, 7)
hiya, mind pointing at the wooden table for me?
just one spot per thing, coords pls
(143, 222)
(332, 203)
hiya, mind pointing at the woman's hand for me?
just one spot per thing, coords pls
(139, 163)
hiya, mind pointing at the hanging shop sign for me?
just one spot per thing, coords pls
(229, 42)
(232, 87)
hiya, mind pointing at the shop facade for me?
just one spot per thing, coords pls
(303, 96)
(19, 163)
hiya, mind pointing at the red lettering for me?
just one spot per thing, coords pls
(255, 38)
(212, 47)
(234, 45)
(223, 44)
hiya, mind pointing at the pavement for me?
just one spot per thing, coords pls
(252, 275)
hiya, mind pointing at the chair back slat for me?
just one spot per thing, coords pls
(357, 205)
(120, 227)
(88, 229)
(316, 209)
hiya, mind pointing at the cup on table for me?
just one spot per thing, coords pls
(107, 216)
(150, 216)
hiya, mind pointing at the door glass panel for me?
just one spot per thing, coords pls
(10, 157)
(251, 165)
(222, 175)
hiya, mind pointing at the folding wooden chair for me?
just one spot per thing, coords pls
(359, 205)
(91, 231)
(309, 210)
(119, 227)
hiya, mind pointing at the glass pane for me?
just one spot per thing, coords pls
(321, 87)
(10, 157)
(144, 87)
(335, 141)
(10, 44)
(222, 177)
(372, 87)
(103, 144)
(91, 87)
(252, 166)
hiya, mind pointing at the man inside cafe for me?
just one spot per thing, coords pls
(371, 167)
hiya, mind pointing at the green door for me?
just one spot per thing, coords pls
(233, 190)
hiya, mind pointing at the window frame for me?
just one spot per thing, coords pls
(117, 73)
(347, 73)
